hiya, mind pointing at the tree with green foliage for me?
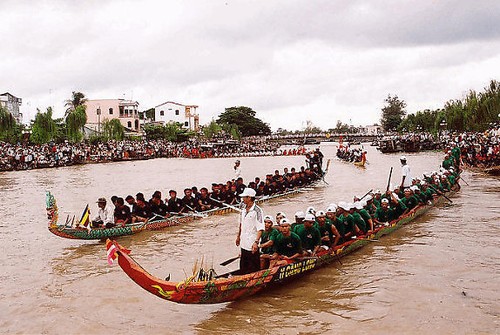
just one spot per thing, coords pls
(170, 132)
(212, 130)
(232, 130)
(154, 132)
(77, 99)
(475, 112)
(150, 114)
(43, 128)
(113, 130)
(244, 118)
(10, 130)
(392, 113)
(75, 120)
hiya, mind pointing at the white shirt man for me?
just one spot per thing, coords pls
(237, 170)
(250, 231)
(104, 216)
(405, 173)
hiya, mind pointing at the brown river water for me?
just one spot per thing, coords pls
(438, 275)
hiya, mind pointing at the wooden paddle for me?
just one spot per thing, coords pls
(366, 194)
(229, 261)
(389, 181)
(196, 213)
(226, 205)
(441, 193)
(460, 177)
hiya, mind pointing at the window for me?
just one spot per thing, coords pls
(186, 124)
(129, 124)
(110, 111)
(136, 124)
(176, 112)
(162, 113)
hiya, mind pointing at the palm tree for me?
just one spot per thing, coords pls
(7, 121)
(77, 99)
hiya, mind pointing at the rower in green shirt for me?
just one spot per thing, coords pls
(288, 246)
(409, 199)
(333, 220)
(384, 214)
(309, 235)
(366, 216)
(267, 239)
(347, 229)
(358, 219)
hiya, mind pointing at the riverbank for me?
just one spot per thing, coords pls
(21, 157)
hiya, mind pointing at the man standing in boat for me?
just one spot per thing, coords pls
(405, 174)
(249, 233)
(237, 170)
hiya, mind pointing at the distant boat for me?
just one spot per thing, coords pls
(311, 141)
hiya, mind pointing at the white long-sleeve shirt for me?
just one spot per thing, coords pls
(405, 172)
(106, 215)
(251, 222)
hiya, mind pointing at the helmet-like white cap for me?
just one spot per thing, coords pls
(300, 215)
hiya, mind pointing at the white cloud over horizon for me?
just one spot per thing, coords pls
(290, 61)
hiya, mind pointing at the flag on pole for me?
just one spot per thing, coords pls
(112, 248)
(85, 219)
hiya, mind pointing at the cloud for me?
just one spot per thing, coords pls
(290, 61)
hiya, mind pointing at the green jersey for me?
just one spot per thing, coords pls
(410, 202)
(384, 215)
(360, 222)
(398, 209)
(288, 246)
(347, 225)
(266, 237)
(310, 237)
(447, 163)
(325, 229)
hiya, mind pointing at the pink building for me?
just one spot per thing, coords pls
(127, 111)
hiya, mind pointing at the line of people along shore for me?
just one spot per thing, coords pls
(480, 150)
(134, 209)
(268, 241)
(26, 157)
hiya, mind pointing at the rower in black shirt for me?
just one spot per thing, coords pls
(195, 193)
(143, 210)
(188, 202)
(157, 206)
(204, 203)
(174, 204)
(239, 185)
(232, 196)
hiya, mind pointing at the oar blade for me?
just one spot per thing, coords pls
(229, 261)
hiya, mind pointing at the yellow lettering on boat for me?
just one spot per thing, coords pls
(296, 268)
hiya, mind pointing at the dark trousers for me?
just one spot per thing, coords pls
(249, 262)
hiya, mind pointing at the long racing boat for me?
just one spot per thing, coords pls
(68, 229)
(208, 288)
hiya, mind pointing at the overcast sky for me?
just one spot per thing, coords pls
(290, 61)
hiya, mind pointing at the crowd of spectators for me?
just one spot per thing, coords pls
(410, 142)
(477, 149)
(23, 157)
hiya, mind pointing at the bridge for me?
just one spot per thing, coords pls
(321, 137)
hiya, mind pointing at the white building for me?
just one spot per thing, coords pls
(12, 103)
(371, 130)
(186, 115)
